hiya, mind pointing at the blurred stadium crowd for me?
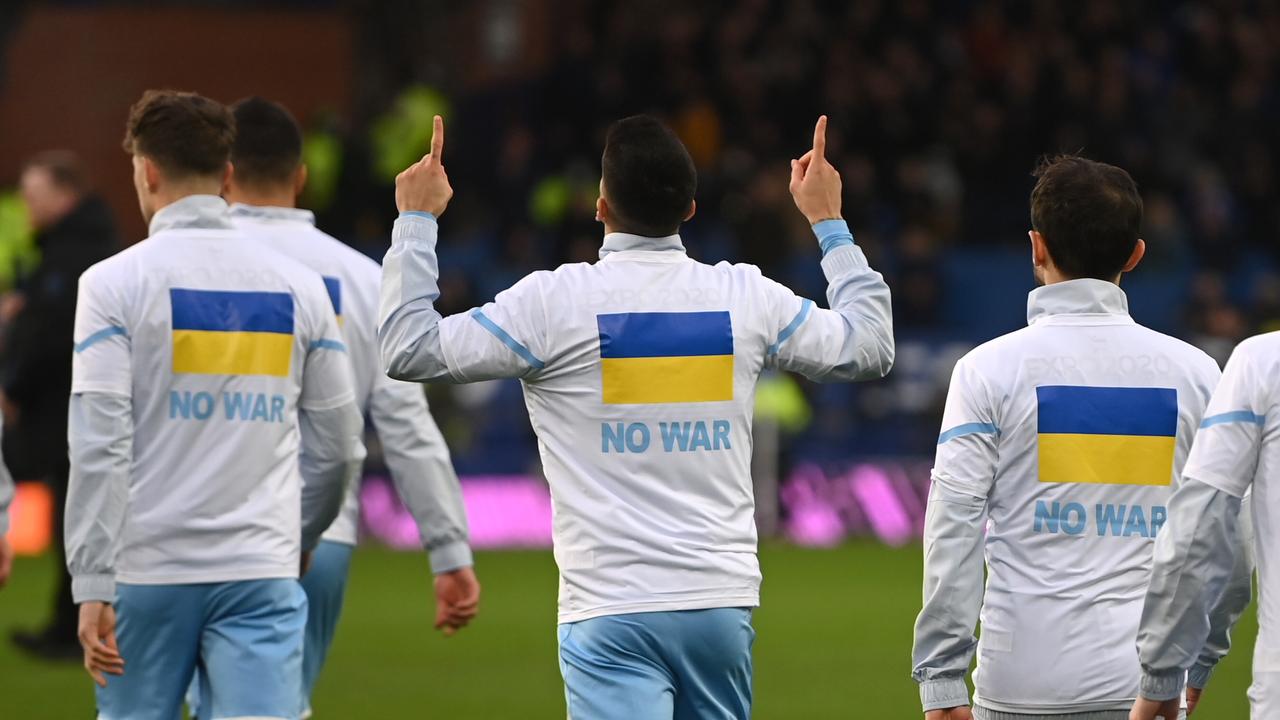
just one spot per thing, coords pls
(940, 111)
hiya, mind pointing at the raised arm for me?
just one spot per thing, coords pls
(854, 339)
(408, 323)
(500, 340)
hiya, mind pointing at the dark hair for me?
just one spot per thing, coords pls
(64, 168)
(184, 133)
(1089, 213)
(648, 176)
(268, 146)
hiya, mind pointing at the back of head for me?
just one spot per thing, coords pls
(1089, 214)
(184, 134)
(649, 178)
(268, 145)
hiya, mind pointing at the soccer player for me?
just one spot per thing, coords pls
(1236, 455)
(1059, 447)
(639, 373)
(213, 423)
(269, 174)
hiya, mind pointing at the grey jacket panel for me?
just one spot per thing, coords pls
(100, 434)
(329, 456)
(953, 589)
(420, 465)
(1195, 557)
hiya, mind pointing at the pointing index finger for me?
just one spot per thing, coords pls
(437, 138)
(820, 138)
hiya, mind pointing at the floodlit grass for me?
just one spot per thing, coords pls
(834, 642)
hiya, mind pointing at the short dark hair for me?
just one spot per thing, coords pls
(184, 133)
(648, 175)
(268, 146)
(1089, 213)
(64, 168)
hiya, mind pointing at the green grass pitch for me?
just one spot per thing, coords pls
(834, 642)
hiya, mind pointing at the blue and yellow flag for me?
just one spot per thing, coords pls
(334, 286)
(666, 357)
(219, 332)
(1110, 435)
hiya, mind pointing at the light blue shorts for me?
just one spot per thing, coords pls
(682, 665)
(242, 639)
(326, 585)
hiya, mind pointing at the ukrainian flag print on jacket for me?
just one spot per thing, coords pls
(217, 332)
(666, 357)
(1107, 435)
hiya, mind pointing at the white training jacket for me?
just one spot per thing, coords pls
(414, 449)
(1236, 457)
(212, 418)
(639, 374)
(1063, 441)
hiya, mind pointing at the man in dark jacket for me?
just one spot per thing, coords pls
(74, 230)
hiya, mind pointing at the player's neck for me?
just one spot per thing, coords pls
(168, 196)
(258, 197)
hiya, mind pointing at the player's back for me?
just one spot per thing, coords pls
(219, 329)
(1092, 417)
(350, 277)
(351, 280)
(641, 389)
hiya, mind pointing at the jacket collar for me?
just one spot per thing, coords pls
(193, 212)
(272, 213)
(1085, 297)
(626, 242)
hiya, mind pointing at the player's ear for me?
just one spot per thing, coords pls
(299, 179)
(227, 172)
(1139, 250)
(1039, 250)
(150, 174)
(693, 208)
(602, 209)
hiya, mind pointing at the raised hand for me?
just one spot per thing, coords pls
(457, 599)
(98, 638)
(815, 184)
(424, 185)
